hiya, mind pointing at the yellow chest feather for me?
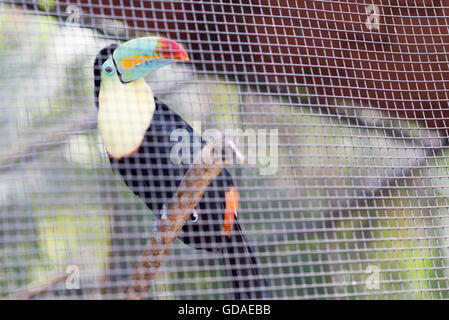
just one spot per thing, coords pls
(124, 115)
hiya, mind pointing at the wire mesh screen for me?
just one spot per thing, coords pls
(339, 108)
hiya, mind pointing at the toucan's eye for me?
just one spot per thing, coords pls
(108, 69)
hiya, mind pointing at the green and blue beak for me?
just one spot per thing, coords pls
(139, 57)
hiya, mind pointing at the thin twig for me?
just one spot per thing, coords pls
(189, 194)
(37, 290)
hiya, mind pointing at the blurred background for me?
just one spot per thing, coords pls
(356, 207)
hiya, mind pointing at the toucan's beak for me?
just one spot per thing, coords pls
(139, 57)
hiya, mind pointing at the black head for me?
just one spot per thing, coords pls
(101, 57)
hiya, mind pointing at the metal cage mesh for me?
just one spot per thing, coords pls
(347, 201)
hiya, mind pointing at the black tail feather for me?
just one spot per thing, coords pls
(247, 278)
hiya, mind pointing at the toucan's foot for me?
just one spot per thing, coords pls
(161, 220)
(194, 216)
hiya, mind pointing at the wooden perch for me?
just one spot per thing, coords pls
(207, 165)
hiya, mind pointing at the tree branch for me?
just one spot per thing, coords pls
(34, 291)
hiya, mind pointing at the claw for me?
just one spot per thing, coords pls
(155, 225)
(195, 216)
(164, 213)
(155, 229)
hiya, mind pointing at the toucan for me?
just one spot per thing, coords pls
(136, 129)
